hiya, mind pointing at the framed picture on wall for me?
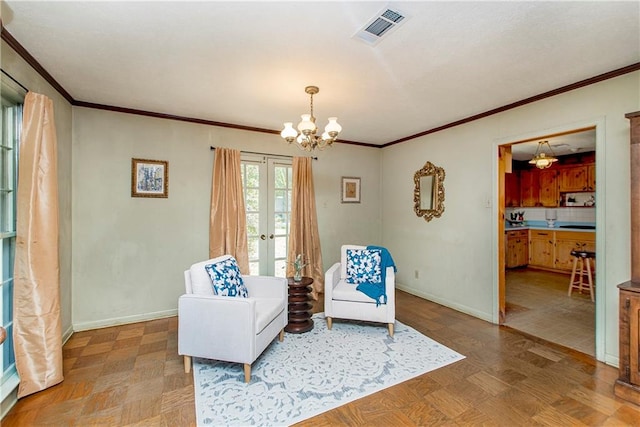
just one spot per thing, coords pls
(149, 178)
(350, 189)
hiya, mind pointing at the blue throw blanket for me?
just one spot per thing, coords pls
(377, 290)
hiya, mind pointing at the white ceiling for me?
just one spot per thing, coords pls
(574, 143)
(247, 63)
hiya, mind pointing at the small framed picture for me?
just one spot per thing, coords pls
(350, 189)
(149, 178)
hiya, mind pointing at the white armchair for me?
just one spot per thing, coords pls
(226, 328)
(343, 301)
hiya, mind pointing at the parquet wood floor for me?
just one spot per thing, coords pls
(131, 375)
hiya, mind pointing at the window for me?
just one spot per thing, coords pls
(11, 118)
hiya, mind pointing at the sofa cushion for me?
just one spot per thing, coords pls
(363, 265)
(226, 278)
(344, 291)
(267, 309)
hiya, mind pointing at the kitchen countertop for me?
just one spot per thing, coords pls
(542, 225)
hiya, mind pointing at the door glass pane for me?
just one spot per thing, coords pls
(253, 224)
(251, 178)
(8, 358)
(281, 247)
(280, 268)
(252, 244)
(252, 199)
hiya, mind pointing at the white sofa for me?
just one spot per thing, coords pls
(226, 328)
(343, 301)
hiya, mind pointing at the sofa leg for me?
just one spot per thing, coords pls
(390, 329)
(329, 323)
(187, 364)
(281, 335)
(247, 373)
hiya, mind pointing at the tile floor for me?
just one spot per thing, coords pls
(537, 304)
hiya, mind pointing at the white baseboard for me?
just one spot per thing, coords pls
(612, 360)
(116, 321)
(458, 307)
(67, 334)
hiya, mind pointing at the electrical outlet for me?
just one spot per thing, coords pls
(416, 274)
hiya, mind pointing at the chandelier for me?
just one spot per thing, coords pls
(306, 136)
(541, 159)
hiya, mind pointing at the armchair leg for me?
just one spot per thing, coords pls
(390, 329)
(187, 364)
(329, 323)
(281, 335)
(247, 373)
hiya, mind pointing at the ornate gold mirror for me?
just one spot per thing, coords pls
(428, 194)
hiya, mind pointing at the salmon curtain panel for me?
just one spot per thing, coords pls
(37, 330)
(303, 235)
(228, 222)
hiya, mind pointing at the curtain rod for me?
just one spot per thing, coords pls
(14, 80)
(265, 154)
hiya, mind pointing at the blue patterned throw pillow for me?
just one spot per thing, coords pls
(363, 265)
(226, 279)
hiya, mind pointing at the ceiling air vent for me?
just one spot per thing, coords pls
(380, 26)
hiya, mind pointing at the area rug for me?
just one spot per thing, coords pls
(313, 372)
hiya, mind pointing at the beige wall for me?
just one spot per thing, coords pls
(456, 255)
(21, 71)
(130, 253)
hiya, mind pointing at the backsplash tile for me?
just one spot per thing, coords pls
(578, 214)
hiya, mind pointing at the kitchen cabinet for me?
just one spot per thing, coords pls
(566, 241)
(577, 178)
(539, 188)
(627, 385)
(512, 189)
(541, 248)
(591, 177)
(529, 187)
(517, 248)
(548, 195)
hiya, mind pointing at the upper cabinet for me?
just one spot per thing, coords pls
(549, 188)
(591, 176)
(577, 178)
(512, 189)
(528, 186)
(538, 188)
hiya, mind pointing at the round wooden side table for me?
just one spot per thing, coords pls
(299, 306)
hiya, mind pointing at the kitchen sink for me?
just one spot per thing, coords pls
(580, 227)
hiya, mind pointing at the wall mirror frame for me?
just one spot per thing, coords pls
(428, 193)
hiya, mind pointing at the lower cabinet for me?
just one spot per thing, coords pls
(566, 241)
(541, 251)
(551, 249)
(517, 248)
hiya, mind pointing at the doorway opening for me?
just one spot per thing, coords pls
(545, 214)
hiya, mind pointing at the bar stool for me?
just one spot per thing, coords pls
(582, 269)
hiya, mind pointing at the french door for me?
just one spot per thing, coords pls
(267, 183)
